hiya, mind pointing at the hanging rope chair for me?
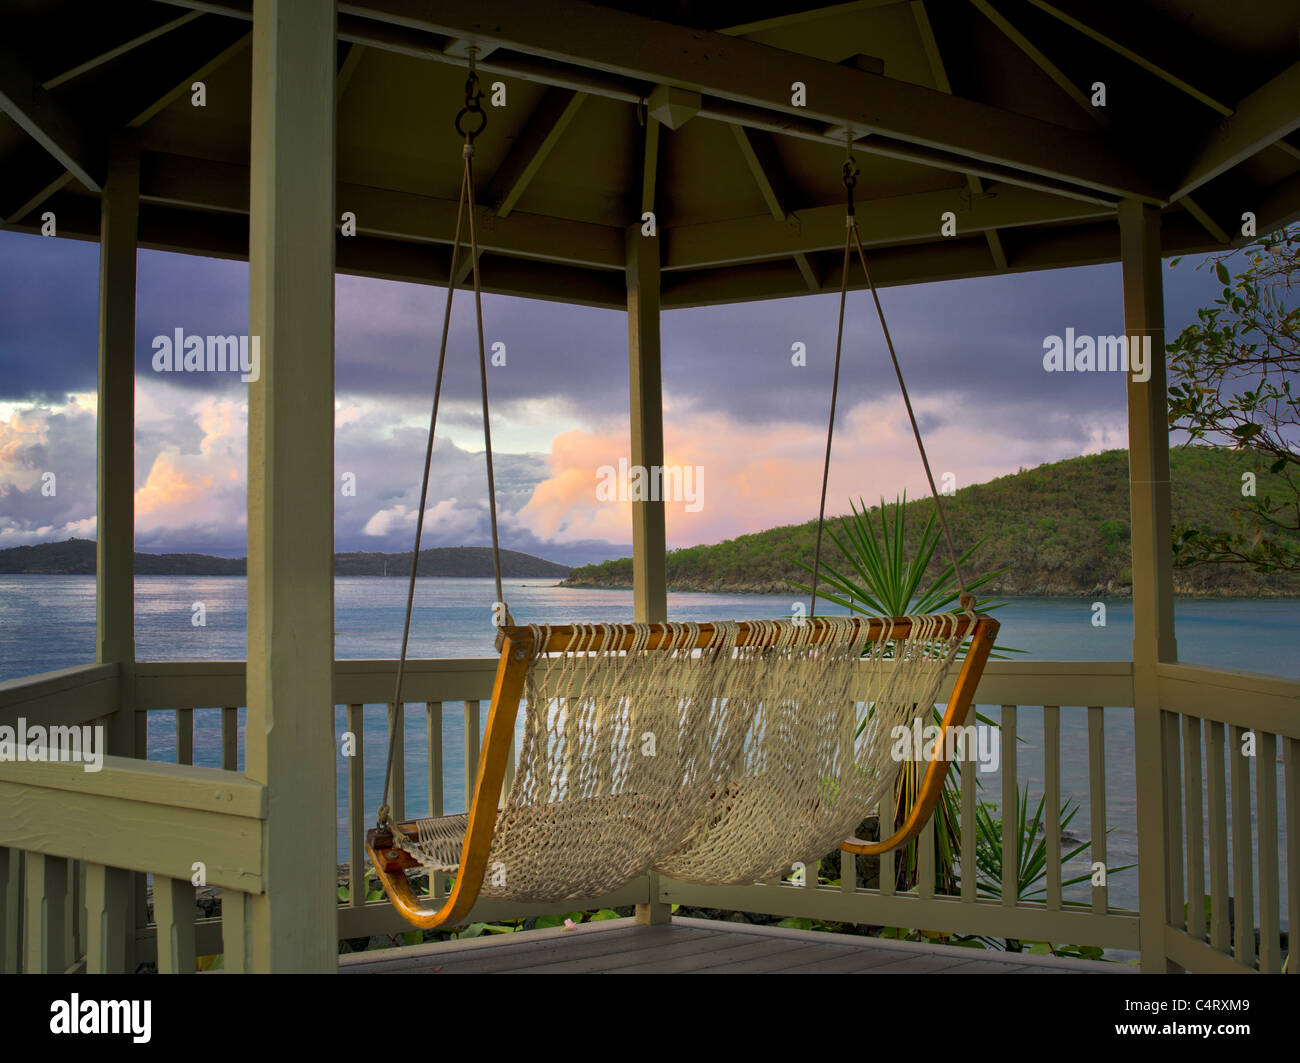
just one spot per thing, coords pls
(712, 753)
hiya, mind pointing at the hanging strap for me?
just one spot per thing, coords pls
(852, 236)
(472, 107)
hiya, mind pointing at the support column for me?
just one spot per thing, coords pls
(115, 426)
(125, 736)
(289, 736)
(649, 543)
(649, 573)
(1153, 599)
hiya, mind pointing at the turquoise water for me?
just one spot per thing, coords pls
(48, 622)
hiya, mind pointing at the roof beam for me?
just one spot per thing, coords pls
(796, 18)
(1110, 29)
(940, 73)
(650, 165)
(347, 68)
(184, 86)
(1264, 117)
(78, 149)
(401, 40)
(749, 73)
(32, 176)
(895, 219)
(542, 131)
(120, 50)
(177, 180)
(1097, 114)
(763, 165)
(1041, 61)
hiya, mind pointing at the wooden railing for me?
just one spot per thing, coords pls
(86, 874)
(1216, 832)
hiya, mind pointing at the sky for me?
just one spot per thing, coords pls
(748, 423)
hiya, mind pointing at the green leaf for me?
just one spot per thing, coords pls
(796, 923)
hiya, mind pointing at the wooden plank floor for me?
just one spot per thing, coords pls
(700, 946)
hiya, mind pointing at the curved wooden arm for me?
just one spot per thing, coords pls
(390, 862)
(963, 692)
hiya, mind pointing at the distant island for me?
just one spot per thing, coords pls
(1062, 528)
(76, 557)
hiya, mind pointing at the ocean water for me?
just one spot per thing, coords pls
(48, 622)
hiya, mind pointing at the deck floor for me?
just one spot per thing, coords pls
(700, 946)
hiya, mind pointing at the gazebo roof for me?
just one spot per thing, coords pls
(982, 108)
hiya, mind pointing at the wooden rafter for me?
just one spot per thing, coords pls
(764, 168)
(541, 133)
(183, 86)
(1264, 117)
(120, 50)
(77, 146)
(1112, 30)
(940, 74)
(564, 34)
(352, 57)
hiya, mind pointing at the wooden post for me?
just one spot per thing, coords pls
(649, 576)
(115, 494)
(649, 544)
(289, 740)
(1153, 599)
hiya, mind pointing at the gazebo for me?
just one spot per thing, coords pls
(646, 156)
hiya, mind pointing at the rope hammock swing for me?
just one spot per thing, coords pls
(714, 753)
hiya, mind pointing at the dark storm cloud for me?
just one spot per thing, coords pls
(48, 317)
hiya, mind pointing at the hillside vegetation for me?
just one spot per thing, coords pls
(76, 557)
(1062, 528)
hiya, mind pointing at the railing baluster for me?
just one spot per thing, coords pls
(1193, 820)
(886, 826)
(230, 739)
(397, 736)
(472, 735)
(433, 739)
(1010, 808)
(925, 860)
(1097, 801)
(1270, 928)
(1291, 758)
(184, 736)
(173, 911)
(108, 930)
(11, 910)
(45, 913)
(1052, 799)
(1169, 738)
(1216, 789)
(75, 913)
(1243, 879)
(236, 938)
(969, 832)
(357, 808)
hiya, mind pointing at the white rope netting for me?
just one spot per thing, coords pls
(717, 765)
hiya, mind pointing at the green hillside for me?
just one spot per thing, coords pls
(1062, 528)
(76, 557)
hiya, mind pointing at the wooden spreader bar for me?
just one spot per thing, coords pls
(561, 637)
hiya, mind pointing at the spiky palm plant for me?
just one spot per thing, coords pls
(882, 580)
